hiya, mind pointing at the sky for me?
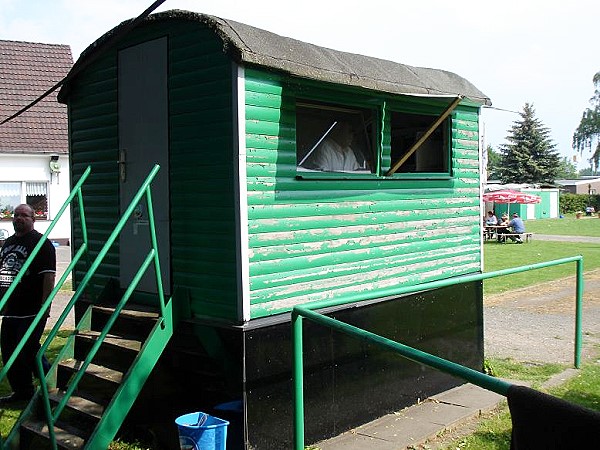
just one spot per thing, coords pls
(542, 52)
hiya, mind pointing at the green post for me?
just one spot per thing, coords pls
(298, 380)
(578, 312)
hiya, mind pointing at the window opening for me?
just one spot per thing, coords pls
(333, 138)
(430, 156)
(13, 194)
(420, 144)
(37, 197)
(10, 197)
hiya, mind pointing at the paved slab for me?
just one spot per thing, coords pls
(63, 258)
(417, 423)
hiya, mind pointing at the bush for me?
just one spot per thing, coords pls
(571, 203)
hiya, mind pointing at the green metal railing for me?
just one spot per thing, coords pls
(44, 310)
(165, 317)
(152, 257)
(470, 375)
(76, 192)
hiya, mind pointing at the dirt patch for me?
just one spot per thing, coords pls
(552, 296)
(537, 323)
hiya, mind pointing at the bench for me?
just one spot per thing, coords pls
(527, 236)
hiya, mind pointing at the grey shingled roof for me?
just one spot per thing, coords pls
(251, 45)
(27, 70)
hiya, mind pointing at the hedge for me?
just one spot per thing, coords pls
(571, 203)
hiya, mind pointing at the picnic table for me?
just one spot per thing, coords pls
(489, 231)
(502, 232)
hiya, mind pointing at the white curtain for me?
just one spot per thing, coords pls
(10, 190)
(36, 188)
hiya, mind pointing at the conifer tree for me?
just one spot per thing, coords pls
(588, 132)
(530, 155)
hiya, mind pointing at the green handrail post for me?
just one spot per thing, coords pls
(298, 380)
(578, 313)
(493, 384)
(152, 256)
(76, 191)
(52, 334)
(154, 242)
(96, 346)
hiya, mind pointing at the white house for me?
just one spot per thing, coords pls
(34, 158)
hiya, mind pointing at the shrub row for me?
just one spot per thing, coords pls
(571, 203)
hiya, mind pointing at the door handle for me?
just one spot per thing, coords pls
(123, 165)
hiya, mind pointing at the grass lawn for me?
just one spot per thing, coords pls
(502, 256)
(495, 432)
(569, 226)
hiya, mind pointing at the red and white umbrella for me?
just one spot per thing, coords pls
(509, 196)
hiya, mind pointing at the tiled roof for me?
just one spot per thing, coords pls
(27, 70)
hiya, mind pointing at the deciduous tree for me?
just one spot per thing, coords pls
(587, 134)
(493, 163)
(566, 170)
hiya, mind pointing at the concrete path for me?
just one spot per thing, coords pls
(552, 237)
(414, 425)
(63, 258)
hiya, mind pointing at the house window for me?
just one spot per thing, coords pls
(432, 156)
(32, 193)
(36, 195)
(10, 197)
(334, 138)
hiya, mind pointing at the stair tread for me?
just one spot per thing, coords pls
(80, 404)
(94, 369)
(66, 438)
(138, 311)
(120, 341)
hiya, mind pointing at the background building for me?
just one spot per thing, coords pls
(34, 159)
(582, 185)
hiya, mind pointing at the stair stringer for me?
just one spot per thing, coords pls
(134, 380)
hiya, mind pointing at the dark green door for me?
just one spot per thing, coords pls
(143, 142)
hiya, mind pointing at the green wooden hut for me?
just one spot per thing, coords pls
(247, 230)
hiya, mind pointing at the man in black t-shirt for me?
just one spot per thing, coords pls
(25, 301)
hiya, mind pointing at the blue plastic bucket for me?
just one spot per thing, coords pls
(201, 431)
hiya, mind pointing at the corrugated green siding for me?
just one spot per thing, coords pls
(203, 258)
(202, 200)
(93, 129)
(309, 239)
(316, 239)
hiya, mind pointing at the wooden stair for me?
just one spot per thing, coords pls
(107, 389)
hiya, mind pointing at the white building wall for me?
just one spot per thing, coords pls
(36, 168)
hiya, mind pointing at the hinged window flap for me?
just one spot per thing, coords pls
(424, 137)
